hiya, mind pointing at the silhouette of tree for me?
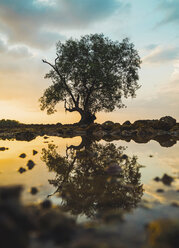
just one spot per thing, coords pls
(95, 179)
(90, 75)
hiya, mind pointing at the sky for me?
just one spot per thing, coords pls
(29, 31)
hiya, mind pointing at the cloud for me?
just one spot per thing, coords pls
(18, 51)
(162, 55)
(3, 46)
(30, 21)
(171, 9)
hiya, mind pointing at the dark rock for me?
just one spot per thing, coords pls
(127, 123)
(33, 190)
(167, 180)
(34, 152)
(3, 148)
(107, 125)
(46, 137)
(165, 140)
(175, 204)
(145, 123)
(21, 170)
(159, 190)
(30, 164)
(157, 179)
(166, 123)
(27, 136)
(146, 132)
(23, 155)
(46, 204)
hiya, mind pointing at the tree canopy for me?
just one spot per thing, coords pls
(90, 75)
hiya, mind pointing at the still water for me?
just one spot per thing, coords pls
(93, 178)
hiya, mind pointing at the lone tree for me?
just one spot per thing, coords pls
(90, 75)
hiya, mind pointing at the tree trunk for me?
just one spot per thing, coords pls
(87, 118)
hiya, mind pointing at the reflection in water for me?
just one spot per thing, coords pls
(94, 178)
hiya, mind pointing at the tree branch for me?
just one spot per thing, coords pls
(61, 77)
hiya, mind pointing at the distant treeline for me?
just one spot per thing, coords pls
(9, 123)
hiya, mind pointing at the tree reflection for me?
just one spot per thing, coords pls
(95, 178)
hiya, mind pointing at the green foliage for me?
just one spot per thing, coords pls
(9, 123)
(90, 73)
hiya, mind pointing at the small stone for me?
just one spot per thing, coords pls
(34, 190)
(30, 164)
(3, 148)
(167, 180)
(150, 156)
(46, 137)
(157, 179)
(46, 204)
(174, 204)
(21, 170)
(34, 152)
(160, 191)
(23, 155)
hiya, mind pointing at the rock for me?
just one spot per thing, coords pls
(166, 123)
(157, 179)
(21, 170)
(23, 155)
(127, 123)
(126, 133)
(3, 148)
(33, 190)
(145, 123)
(159, 190)
(99, 133)
(27, 136)
(107, 125)
(165, 140)
(46, 137)
(46, 204)
(167, 180)
(175, 204)
(30, 164)
(34, 152)
(146, 132)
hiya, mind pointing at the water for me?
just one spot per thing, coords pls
(99, 178)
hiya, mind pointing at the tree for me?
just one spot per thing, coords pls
(94, 179)
(90, 75)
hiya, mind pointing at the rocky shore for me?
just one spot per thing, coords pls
(165, 131)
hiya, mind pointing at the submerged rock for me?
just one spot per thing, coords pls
(23, 155)
(167, 180)
(21, 170)
(159, 190)
(3, 148)
(33, 190)
(30, 164)
(34, 152)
